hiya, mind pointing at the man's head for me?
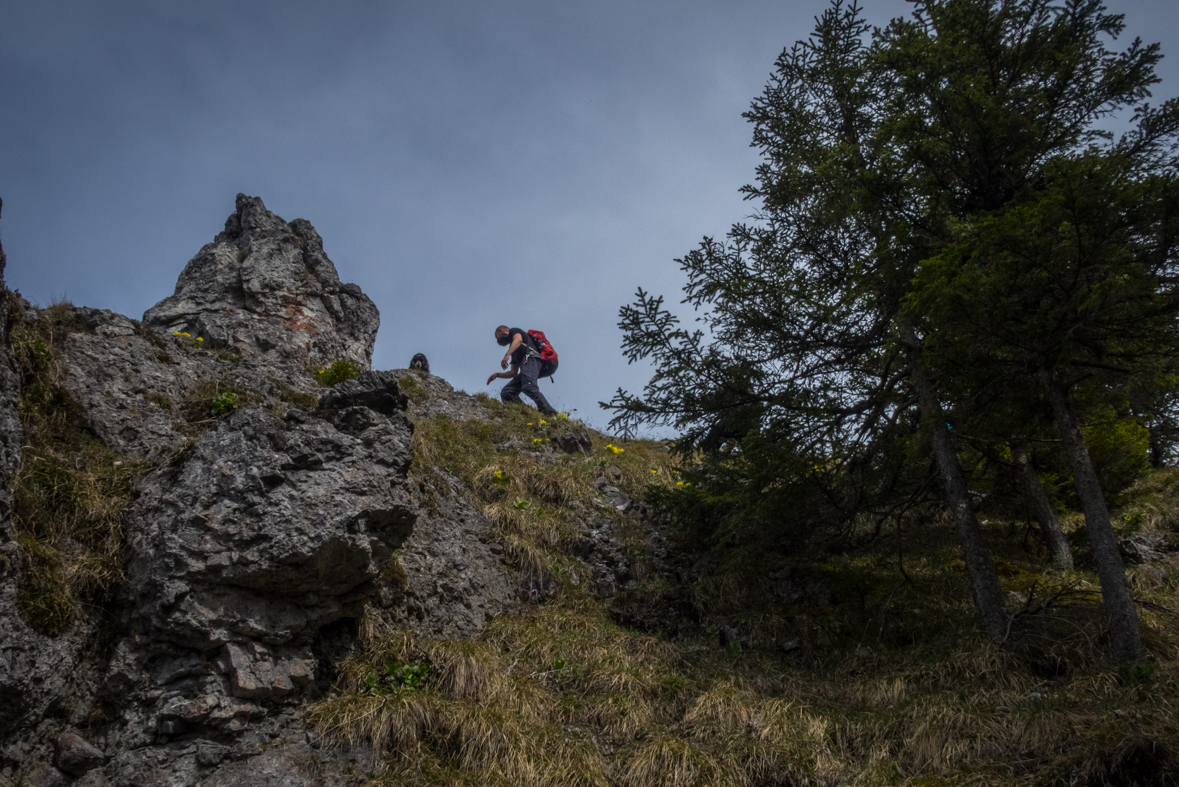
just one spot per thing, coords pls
(503, 335)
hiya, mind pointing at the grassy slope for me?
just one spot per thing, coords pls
(890, 684)
(70, 491)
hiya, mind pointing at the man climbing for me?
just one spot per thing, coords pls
(524, 355)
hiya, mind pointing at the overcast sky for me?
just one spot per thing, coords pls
(467, 163)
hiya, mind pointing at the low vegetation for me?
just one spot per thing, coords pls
(337, 372)
(413, 388)
(209, 400)
(69, 490)
(882, 679)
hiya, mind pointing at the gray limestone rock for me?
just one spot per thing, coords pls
(432, 396)
(573, 441)
(613, 497)
(131, 389)
(267, 529)
(264, 286)
(379, 392)
(76, 755)
(1143, 548)
(280, 763)
(598, 547)
(455, 577)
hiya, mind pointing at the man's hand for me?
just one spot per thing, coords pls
(504, 363)
(492, 377)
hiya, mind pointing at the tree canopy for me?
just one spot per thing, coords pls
(947, 239)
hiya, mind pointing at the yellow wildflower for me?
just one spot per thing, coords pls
(200, 338)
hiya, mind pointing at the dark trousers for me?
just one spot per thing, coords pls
(531, 370)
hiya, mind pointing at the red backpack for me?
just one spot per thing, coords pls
(547, 353)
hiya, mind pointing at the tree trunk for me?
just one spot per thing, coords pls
(1062, 556)
(1124, 629)
(980, 568)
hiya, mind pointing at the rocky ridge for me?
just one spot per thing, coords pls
(260, 532)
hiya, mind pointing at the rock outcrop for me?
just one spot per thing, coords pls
(271, 514)
(266, 286)
(269, 528)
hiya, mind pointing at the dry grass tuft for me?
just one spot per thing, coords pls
(722, 710)
(397, 722)
(673, 762)
(471, 670)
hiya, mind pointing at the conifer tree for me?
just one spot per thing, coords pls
(893, 160)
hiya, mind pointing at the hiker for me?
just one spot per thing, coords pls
(528, 365)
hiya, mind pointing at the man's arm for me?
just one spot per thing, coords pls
(504, 375)
(517, 340)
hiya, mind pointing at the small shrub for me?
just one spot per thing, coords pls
(397, 678)
(337, 372)
(223, 403)
(210, 400)
(394, 575)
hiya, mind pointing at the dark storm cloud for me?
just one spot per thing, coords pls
(467, 163)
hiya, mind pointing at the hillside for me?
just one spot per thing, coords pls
(233, 554)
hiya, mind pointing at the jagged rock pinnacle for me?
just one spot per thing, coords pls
(266, 286)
